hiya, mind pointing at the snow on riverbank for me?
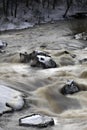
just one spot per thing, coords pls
(14, 24)
(30, 16)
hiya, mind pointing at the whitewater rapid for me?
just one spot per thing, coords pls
(41, 87)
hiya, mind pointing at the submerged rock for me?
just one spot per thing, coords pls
(70, 88)
(38, 59)
(36, 120)
(72, 55)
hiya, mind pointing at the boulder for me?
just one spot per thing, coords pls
(81, 36)
(36, 52)
(43, 61)
(25, 57)
(36, 120)
(38, 59)
(70, 87)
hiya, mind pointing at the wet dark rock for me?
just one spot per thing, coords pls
(38, 59)
(36, 120)
(43, 46)
(81, 36)
(70, 87)
(25, 57)
(80, 15)
(83, 60)
(72, 55)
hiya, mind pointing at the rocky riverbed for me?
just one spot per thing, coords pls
(41, 88)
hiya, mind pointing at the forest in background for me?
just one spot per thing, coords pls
(10, 7)
(21, 14)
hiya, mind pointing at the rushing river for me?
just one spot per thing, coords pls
(42, 86)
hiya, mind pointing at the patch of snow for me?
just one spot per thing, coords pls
(78, 36)
(36, 120)
(24, 25)
(33, 119)
(1, 44)
(16, 103)
(26, 17)
(15, 25)
(43, 59)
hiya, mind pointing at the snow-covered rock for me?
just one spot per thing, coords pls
(43, 61)
(38, 59)
(16, 103)
(36, 120)
(11, 97)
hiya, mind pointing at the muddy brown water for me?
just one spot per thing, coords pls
(42, 86)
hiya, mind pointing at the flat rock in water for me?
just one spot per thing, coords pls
(10, 99)
(36, 120)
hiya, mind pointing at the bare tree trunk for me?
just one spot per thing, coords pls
(27, 3)
(7, 7)
(69, 3)
(32, 4)
(15, 12)
(43, 3)
(48, 3)
(54, 3)
(4, 7)
(11, 8)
